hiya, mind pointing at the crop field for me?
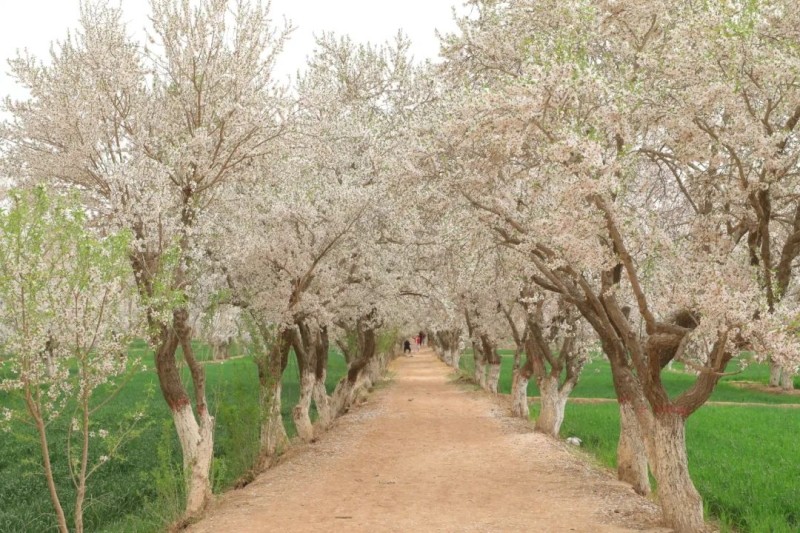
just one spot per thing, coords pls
(141, 490)
(744, 459)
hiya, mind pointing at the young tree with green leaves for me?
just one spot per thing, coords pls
(63, 309)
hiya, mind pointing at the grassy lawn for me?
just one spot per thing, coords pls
(745, 461)
(140, 491)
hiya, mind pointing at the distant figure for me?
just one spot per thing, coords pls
(417, 341)
(422, 338)
(407, 347)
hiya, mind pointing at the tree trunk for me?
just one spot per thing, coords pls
(519, 394)
(631, 453)
(322, 402)
(493, 379)
(374, 369)
(195, 431)
(434, 342)
(493, 360)
(439, 345)
(343, 396)
(445, 354)
(447, 344)
(455, 358)
(194, 427)
(680, 501)
(197, 445)
(480, 371)
(321, 399)
(305, 346)
(33, 409)
(301, 412)
(80, 495)
(478, 356)
(787, 380)
(273, 437)
(631, 449)
(341, 399)
(554, 402)
(220, 350)
(774, 375)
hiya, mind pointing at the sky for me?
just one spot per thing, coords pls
(34, 24)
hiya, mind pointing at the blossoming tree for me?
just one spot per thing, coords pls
(551, 159)
(63, 296)
(148, 135)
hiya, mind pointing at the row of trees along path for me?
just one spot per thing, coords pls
(426, 454)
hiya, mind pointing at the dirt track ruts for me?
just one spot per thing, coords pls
(426, 454)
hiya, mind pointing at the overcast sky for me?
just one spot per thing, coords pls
(33, 24)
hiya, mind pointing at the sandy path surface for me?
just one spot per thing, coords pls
(426, 454)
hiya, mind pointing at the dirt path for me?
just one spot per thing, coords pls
(426, 454)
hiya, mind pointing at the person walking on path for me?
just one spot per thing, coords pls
(407, 347)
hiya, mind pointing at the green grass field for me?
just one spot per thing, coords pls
(595, 382)
(745, 461)
(141, 490)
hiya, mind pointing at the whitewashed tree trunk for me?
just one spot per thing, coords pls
(197, 444)
(220, 350)
(364, 383)
(51, 364)
(374, 370)
(774, 375)
(446, 355)
(273, 433)
(631, 452)
(680, 501)
(519, 395)
(480, 372)
(342, 398)
(493, 378)
(301, 412)
(322, 402)
(787, 380)
(554, 401)
(454, 358)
